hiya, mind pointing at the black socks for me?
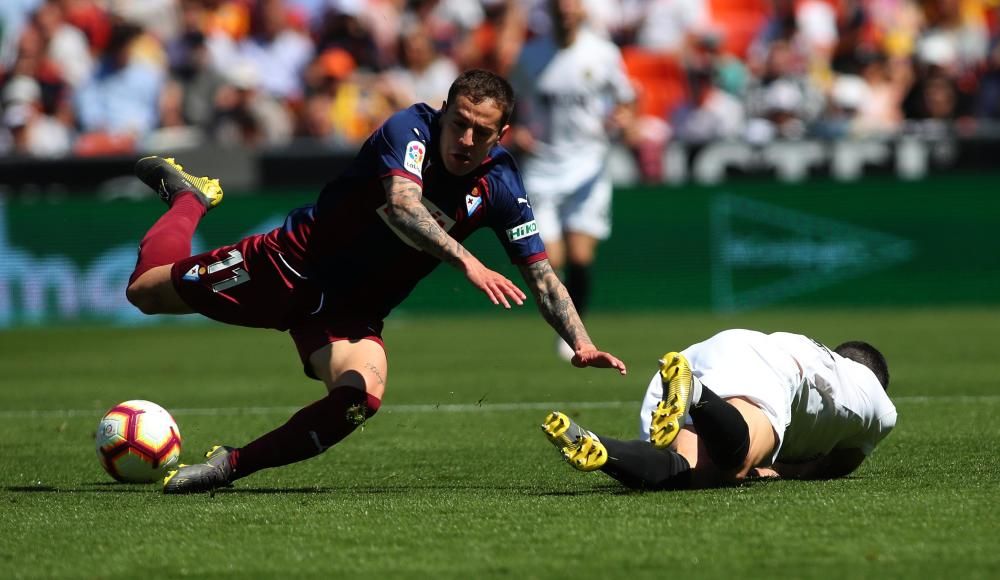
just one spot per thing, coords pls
(578, 286)
(722, 428)
(639, 465)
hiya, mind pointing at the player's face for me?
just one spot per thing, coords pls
(567, 14)
(468, 132)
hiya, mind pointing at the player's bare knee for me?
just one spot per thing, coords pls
(142, 297)
(152, 292)
(356, 380)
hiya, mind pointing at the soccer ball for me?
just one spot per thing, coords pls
(138, 442)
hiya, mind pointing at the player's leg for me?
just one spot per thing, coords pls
(636, 464)
(153, 292)
(735, 433)
(587, 221)
(729, 438)
(150, 287)
(555, 249)
(704, 472)
(762, 439)
(546, 211)
(556, 252)
(580, 251)
(678, 388)
(354, 373)
(721, 425)
(546, 204)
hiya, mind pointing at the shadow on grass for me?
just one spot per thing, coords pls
(98, 487)
(602, 490)
(354, 490)
(115, 487)
(404, 489)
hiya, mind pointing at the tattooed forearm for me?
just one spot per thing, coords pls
(554, 302)
(409, 215)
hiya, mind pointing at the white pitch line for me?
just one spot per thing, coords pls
(483, 407)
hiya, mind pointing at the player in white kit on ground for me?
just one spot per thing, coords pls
(573, 92)
(744, 403)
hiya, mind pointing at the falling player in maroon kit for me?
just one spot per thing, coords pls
(422, 183)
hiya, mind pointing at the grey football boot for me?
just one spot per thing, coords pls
(213, 474)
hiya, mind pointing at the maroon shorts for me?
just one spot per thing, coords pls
(251, 283)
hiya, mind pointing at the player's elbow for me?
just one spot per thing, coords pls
(396, 214)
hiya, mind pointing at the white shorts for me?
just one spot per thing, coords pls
(585, 209)
(731, 368)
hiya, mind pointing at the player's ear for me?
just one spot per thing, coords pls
(503, 131)
(444, 105)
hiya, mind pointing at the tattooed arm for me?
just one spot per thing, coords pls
(555, 304)
(409, 215)
(558, 310)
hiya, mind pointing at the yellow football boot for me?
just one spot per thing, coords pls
(675, 374)
(167, 178)
(579, 447)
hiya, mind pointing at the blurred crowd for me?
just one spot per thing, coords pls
(99, 77)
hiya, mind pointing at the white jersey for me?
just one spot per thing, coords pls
(815, 399)
(565, 96)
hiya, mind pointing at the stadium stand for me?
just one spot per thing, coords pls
(95, 78)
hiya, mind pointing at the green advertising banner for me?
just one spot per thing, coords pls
(875, 242)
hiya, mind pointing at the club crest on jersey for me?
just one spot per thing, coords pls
(473, 201)
(522, 231)
(192, 275)
(413, 159)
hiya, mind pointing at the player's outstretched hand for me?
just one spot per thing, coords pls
(495, 285)
(598, 359)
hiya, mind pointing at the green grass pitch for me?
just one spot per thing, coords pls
(453, 477)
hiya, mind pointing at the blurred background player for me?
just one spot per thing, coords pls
(330, 275)
(745, 403)
(574, 93)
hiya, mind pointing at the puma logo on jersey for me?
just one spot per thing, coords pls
(524, 201)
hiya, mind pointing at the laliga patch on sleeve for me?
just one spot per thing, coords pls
(522, 231)
(413, 159)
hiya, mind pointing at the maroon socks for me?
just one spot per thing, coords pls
(169, 240)
(309, 432)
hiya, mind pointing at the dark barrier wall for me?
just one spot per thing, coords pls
(737, 246)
